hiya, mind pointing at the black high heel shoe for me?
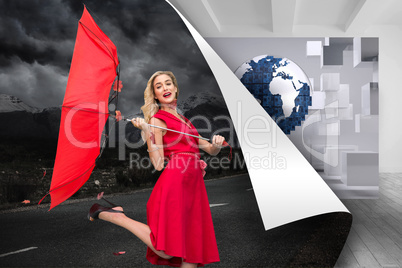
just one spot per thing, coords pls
(96, 209)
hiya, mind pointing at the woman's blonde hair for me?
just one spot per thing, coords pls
(151, 105)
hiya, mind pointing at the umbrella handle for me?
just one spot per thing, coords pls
(199, 137)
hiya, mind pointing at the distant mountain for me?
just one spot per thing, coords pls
(12, 104)
(209, 114)
(19, 120)
(200, 99)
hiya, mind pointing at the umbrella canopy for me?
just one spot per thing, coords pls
(85, 109)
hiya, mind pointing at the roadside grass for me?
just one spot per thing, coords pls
(26, 169)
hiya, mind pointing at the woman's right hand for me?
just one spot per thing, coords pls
(140, 123)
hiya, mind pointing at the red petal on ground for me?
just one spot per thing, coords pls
(100, 195)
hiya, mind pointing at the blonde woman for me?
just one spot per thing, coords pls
(180, 231)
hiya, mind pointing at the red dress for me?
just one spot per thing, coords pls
(178, 211)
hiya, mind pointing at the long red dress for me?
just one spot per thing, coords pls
(178, 211)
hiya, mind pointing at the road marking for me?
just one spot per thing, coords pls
(249, 189)
(217, 205)
(18, 251)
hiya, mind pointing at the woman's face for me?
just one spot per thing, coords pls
(164, 89)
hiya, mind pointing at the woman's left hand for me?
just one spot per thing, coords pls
(217, 141)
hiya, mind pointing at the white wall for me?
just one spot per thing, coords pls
(390, 95)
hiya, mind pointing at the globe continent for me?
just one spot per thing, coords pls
(280, 86)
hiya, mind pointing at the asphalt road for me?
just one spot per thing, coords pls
(64, 236)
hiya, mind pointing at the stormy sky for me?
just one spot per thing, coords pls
(37, 39)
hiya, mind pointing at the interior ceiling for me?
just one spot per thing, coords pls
(246, 18)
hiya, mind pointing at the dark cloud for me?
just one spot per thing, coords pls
(36, 31)
(37, 40)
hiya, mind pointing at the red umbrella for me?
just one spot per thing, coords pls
(93, 70)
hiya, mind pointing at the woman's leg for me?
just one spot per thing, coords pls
(188, 265)
(139, 229)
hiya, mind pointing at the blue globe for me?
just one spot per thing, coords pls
(280, 86)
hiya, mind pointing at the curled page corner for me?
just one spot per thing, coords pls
(287, 188)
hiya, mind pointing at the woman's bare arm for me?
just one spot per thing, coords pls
(155, 144)
(211, 148)
(156, 149)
